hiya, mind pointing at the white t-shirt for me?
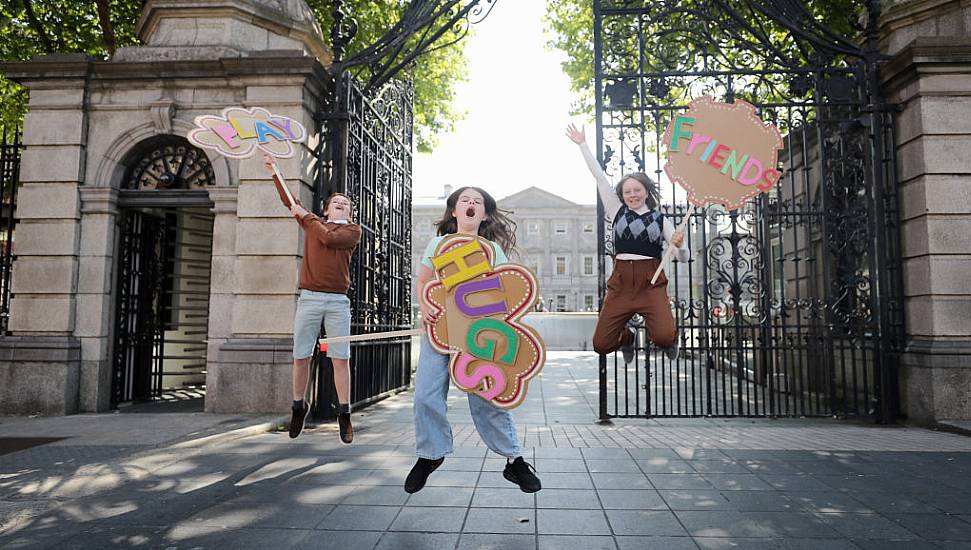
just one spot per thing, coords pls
(426, 258)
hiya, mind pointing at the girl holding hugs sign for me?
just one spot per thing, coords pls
(470, 211)
(640, 234)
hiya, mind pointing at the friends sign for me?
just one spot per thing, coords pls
(493, 354)
(722, 152)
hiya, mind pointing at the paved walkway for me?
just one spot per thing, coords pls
(666, 484)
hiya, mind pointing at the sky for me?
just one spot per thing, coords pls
(517, 101)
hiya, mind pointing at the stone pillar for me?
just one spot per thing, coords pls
(251, 371)
(929, 77)
(40, 359)
(95, 297)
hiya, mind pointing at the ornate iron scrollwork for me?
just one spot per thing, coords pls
(172, 164)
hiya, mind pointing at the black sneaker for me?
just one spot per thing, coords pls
(521, 473)
(419, 473)
(298, 419)
(344, 423)
(628, 349)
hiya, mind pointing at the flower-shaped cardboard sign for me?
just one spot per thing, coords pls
(493, 354)
(722, 152)
(238, 133)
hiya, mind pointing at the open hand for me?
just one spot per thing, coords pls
(576, 135)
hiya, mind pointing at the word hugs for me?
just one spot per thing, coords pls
(493, 354)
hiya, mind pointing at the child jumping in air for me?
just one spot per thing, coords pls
(469, 211)
(324, 279)
(640, 233)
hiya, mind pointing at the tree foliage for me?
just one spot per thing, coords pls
(570, 25)
(434, 74)
(29, 28)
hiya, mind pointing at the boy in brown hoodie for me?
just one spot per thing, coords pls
(324, 279)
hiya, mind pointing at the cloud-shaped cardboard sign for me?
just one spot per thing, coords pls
(238, 132)
(722, 152)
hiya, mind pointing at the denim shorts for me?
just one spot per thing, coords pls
(312, 308)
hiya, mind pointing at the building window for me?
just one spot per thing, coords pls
(588, 265)
(533, 228)
(424, 228)
(560, 229)
(589, 303)
(561, 265)
(588, 228)
(561, 302)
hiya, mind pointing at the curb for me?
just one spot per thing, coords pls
(962, 428)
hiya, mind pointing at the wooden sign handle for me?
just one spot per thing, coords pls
(670, 249)
(365, 337)
(283, 182)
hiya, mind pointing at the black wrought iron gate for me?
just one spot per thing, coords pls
(367, 153)
(143, 255)
(10, 149)
(791, 305)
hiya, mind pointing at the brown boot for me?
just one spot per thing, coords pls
(346, 429)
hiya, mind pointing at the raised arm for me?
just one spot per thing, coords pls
(683, 252)
(268, 164)
(604, 189)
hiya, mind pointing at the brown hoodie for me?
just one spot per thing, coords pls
(327, 249)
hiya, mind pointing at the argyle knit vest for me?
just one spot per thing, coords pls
(638, 233)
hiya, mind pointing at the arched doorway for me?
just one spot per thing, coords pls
(163, 268)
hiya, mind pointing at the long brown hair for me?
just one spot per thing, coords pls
(497, 227)
(653, 195)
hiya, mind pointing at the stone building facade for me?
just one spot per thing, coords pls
(89, 125)
(556, 238)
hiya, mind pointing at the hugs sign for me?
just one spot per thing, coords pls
(493, 354)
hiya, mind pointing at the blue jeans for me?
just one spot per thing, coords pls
(433, 434)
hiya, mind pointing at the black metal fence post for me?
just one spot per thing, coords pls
(11, 146)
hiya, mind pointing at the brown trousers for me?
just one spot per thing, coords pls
(630, 291)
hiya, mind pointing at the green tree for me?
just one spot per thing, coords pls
(434, 74)
(30, 28)
(675, 41)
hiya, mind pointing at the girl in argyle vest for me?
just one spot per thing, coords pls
(640, 231)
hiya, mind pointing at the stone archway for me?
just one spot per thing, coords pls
(163, 265)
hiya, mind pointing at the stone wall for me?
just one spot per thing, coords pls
(929, 77)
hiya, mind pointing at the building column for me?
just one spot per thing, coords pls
(95, 316)
(40, 359)
(929, 77)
